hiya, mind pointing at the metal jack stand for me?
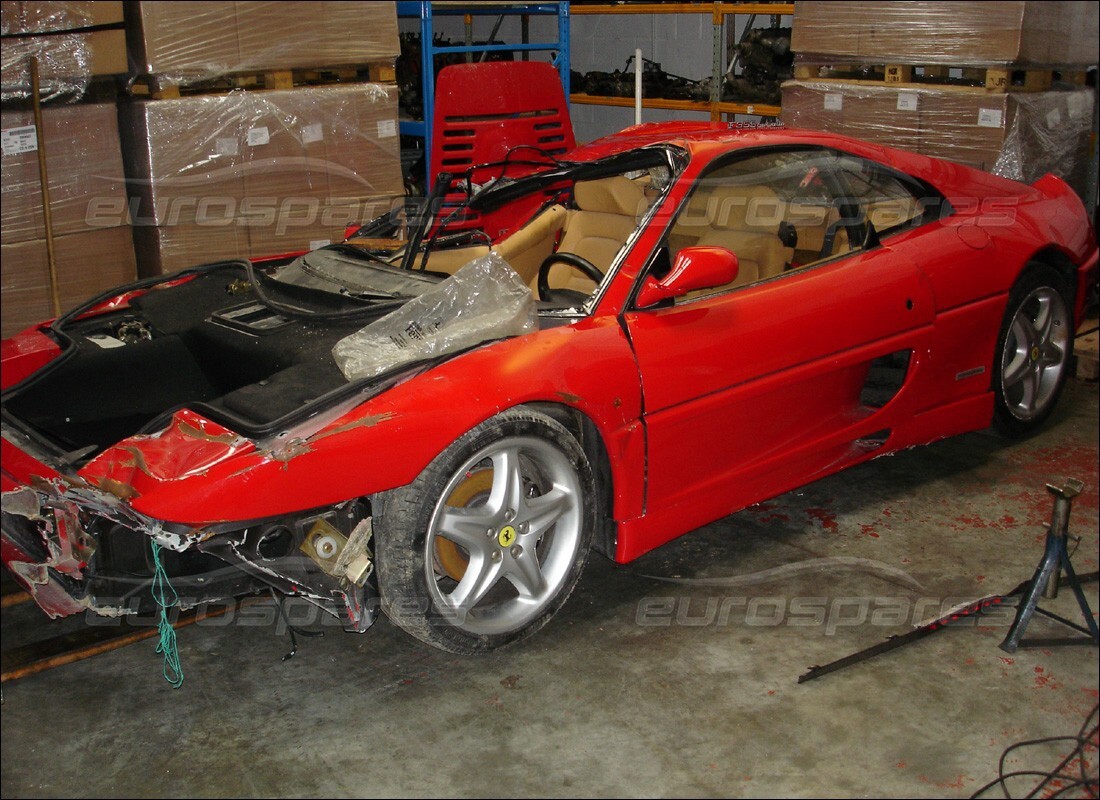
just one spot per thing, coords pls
(1047, 577)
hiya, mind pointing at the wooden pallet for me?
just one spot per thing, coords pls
(1085, 349)
(161, 87)
(990, 79)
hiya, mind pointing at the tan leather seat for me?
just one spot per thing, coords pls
(524, 250)
(527, 248)
(743, 219)
(607, 212)
(812, 223)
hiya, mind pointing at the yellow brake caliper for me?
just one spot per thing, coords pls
(449, 557)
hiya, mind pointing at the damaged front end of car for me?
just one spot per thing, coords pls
(75, 543)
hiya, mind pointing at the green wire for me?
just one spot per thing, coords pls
(166, 597)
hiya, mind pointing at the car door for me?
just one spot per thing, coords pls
(753, 388)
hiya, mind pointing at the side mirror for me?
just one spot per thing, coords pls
(694, 268)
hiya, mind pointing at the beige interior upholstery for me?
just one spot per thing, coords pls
(524, 250)
(891, 212)
(811, 223)
(744, 220)
(607, 212)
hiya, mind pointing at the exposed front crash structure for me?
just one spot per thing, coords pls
(78, 546)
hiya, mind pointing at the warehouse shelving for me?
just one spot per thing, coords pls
(719, 12)
(427, 11)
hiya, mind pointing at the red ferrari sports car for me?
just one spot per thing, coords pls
(442, 416)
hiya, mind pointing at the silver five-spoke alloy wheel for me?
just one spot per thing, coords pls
(504, 535)
(1035, 353)
(489, 540)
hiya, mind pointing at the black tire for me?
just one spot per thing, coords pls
(488, 542)
(1032, 359)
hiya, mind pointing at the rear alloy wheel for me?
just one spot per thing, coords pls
(488, 542)
(1033, 351)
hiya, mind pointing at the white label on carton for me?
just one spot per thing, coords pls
(908, 101)
(19, 140)
(990, 118)
(1054, 118)
(313, 133)
(226, 146)
(258, 136)
(386, 128)
(834, 101)
(317, 244)
(1077, 103)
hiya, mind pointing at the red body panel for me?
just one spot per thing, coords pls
(197, 473)
(23, 355)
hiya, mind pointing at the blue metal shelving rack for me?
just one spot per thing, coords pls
(426, 11)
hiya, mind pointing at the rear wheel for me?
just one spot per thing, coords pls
(489, 540)
(1033, 351)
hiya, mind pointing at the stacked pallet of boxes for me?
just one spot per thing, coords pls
(217, 171)
(999, 86)
(75, 44)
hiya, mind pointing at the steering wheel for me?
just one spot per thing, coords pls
(589, 269)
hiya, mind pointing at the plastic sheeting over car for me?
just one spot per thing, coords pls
(482, 301)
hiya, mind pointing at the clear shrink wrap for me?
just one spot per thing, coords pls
(1050, 33)
(72, 41)
(484, 300)
(1019, 135)
(186, 41)
(289, 167)
(84, 164)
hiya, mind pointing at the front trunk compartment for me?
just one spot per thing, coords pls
(208, 343)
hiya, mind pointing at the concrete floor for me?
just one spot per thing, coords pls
(641, 686)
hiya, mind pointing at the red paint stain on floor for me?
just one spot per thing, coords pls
(1005, 522)
(825, 517)
(1037, 466)
(1044, 680)
(766, 513)
(957, 783)
(868, 530)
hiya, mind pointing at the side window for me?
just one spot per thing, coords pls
(777, 211)
(891, 202)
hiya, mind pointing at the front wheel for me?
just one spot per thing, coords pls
(1033, 351)
(489, 540)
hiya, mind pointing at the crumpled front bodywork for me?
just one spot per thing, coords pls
(46, 542)
(76, 542)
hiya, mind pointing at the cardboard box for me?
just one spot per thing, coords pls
(959, 34)
(181, 153)
(838, 109)
(87, 263)
(84, 165)
(323, 224)
(201, 39)
(258, 173)
(1017, 135)
(268, 231)
(206, 158)
(163, 250)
